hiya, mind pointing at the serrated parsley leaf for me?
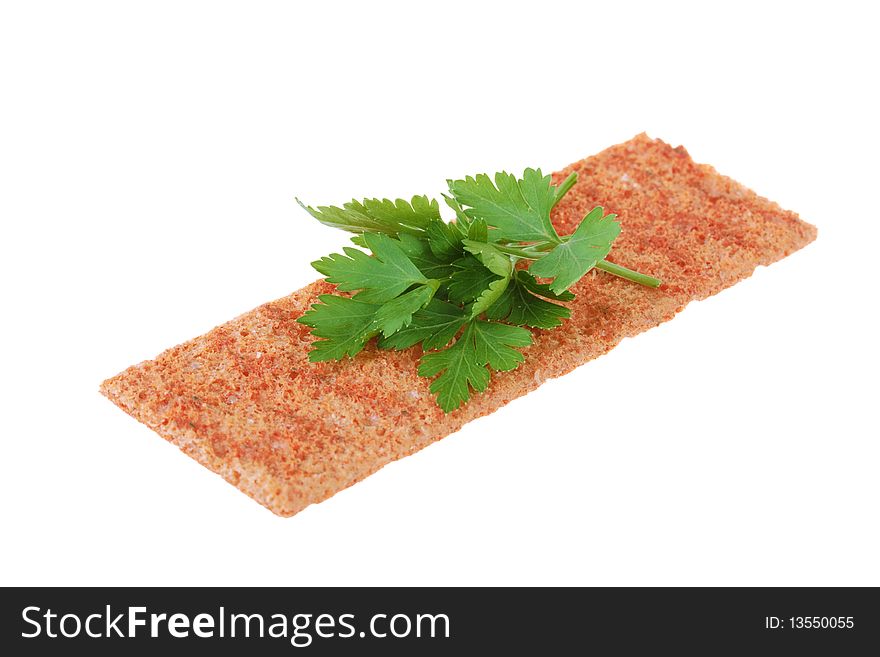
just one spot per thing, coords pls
(457, 288)
(345, 323)
(469, 279)
(422, 257)
(397, 313)
(381, 277)
(459, 371)
(494, 344)
(462, 366)
(478, 231)
(444, 239)
(489, 296)
(519, 306)
(461, 219)
(358, 240)
(374, 215)
(434, 326)
(589, 244)
(496, 261)
(518, 208)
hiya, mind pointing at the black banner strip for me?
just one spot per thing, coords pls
(437, 621)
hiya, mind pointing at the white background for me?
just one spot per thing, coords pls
(149, 156)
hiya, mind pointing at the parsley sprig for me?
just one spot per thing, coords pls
(459, 288)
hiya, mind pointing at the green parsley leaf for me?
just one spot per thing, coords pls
(494, 344)
(398, 313)
(418, 251)
(469, 280)
(463, 365)
(459, 371)
(495, 261)
(478, 231)
(381, 277)
(462, 221)
(489, 296)
(434, 326)
(518, 208)
(589, 244)
(519, 306)
(378, 215)
(457, 288)
(345, 323)
(358, 240)
(444, 239)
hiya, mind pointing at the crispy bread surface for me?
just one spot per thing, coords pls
(244, 401)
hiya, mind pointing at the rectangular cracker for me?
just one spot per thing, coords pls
(244, 401)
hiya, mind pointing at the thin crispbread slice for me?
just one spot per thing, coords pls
(244, 401)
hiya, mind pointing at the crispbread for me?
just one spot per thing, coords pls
(244, 401)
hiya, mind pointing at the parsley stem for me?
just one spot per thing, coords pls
(539, 250)
(629, 274)
(566, 185)
(521, 253)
